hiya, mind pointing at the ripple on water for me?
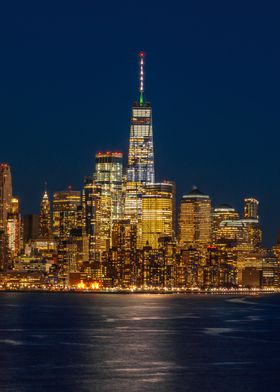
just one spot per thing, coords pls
(219, 331)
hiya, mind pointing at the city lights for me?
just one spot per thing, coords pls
(120, 233)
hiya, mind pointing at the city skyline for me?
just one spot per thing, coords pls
(122, 231)
(135, 172)
(138, 169)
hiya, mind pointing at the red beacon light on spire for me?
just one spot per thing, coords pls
(141, 54)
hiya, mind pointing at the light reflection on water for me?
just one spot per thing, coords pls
(62, 342)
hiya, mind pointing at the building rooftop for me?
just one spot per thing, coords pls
(224, 207)
(195, 193)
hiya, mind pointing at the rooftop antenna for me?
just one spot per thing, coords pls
(141, 87)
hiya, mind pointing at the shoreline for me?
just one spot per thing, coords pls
(143, 292)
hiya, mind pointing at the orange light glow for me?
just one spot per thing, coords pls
(95, 285)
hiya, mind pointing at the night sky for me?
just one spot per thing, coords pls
(69, 76)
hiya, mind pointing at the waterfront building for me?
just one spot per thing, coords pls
(195, 219)
(188, 267)
(220, 269)
(3, 250)
(124, 244)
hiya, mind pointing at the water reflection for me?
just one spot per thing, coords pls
(137, 342)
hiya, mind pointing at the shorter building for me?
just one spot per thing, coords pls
(20, 280)
(195, 219)
(157, 213)
(251, 208)
(14, 229)
(31, 223)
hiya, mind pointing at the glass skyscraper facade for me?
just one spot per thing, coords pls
(109, 177)
(195, 219)
(5, 194)
(157, 213)
(108, 197)
(140, 169)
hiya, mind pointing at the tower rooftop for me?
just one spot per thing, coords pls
(195, 193)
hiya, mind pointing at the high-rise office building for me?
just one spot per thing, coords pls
(109, 177)
(251, 208)
(88, 215)
(233, 231)
(108, 197)
(5, 194)
(252, 222)
(140, 169)
(124, 239)
(5, 207)
(67, 219)
(65, 212)
(31, 227)
(14, 229)
(45, 217)
(157, 213)
(102, 220)
(223, 212)
(195, 219)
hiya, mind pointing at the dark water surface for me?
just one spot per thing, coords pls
(87, 342)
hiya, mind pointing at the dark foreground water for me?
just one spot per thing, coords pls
(87, 342)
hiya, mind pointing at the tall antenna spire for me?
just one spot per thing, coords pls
(141, 87)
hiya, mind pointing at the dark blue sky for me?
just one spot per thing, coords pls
(69, 76)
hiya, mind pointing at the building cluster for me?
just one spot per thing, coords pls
(124, 230)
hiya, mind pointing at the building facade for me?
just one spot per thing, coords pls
(195, 219)
(157, 213)
(45, 217)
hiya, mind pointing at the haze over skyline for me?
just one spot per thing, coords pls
(68, 83)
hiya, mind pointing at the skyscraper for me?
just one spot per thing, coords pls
(251, 208)
(45, 216)
(65, 212)
(108, 197)
(157, 213)
(67, 221)
(140, 169)
(109, 176)
(5, 207)
(195, 219)
(14, 228)
(88, 214)
(5, 194)
(223, 212)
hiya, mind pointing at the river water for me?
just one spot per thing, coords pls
(126, 342)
